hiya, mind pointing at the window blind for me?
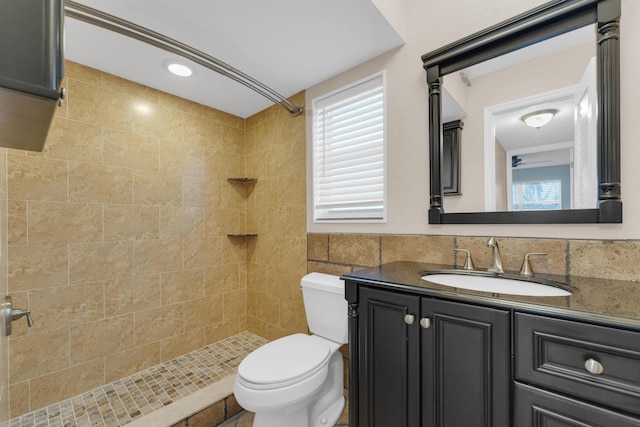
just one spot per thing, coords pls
(349, 153)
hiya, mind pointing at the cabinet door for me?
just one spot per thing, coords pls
(538, 408)
(466, 357)
(389, 373)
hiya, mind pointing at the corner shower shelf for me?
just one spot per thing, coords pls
(242, 180)
(242, 235)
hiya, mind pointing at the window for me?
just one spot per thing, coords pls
(349, 153)
(537, 195)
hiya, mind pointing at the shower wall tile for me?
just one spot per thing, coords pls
(90, 262)
(37, 178)
(97, 339)
(433, 249)
(53, 387)
(38, 354)
(108, 239)
(158, 323)
(74, 141)
(34, 267)
(132, 294)
(131, 222)
(56, 222)
(129, 150)
(128, 362)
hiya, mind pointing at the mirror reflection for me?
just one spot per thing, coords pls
(531, 115)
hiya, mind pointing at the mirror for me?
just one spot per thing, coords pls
(566, 171)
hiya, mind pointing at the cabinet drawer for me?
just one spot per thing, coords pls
(535, 407)
(554, 353)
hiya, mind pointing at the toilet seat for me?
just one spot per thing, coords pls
(283, 362)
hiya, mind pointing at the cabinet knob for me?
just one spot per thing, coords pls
(593, 366)
(409, 318)
(425, 322)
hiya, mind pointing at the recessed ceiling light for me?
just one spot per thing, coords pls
(178, 68)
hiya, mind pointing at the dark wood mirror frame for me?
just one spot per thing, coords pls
(549, 20)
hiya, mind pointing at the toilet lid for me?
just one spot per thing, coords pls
(284, 360)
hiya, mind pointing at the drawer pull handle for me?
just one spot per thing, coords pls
(593, 366)
(409, 318)
(425, 322)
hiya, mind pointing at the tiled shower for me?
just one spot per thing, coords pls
(118, 235)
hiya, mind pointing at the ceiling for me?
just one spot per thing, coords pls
(288, 45)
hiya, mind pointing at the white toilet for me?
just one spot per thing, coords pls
(296, 381)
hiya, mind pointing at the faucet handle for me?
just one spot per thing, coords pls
(527, 269)
(468, 262)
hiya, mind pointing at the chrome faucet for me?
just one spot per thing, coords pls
(496, 261)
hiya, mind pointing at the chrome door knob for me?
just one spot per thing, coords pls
(409, 318)
(425, 322)
(593, 366)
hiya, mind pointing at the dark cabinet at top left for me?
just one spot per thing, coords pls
(31, 70)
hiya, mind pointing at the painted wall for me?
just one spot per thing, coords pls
(428, 26)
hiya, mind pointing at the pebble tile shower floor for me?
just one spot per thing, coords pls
(125, 400)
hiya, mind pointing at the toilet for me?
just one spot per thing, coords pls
(296, 381)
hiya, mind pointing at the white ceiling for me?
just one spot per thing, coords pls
(288, 45)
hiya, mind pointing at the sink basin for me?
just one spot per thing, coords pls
(498, 284)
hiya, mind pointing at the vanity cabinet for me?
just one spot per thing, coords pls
(429, 362)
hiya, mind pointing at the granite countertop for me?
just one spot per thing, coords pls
(603, 300)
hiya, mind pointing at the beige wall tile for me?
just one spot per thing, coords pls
(318, 247)
(220, 222)
(327, 268)
(600, 299)
(38, 354)
(92, 340)
(201, 132)
(176, 222)
(128, 362)
(191, 339)
(223, 278)
(159, 323)
(17, 222)
(83, 73)
(354, 249)
(54, 308)
(156, 121)
(131, 294)
(73, 140)
(181, 159)
(202, 252)
(33, 267)
(95, 105)
(54, 387)
(225, 118)
(100, 261)
(154, 188)
(432, 249)
(233, 140)
(100, 184)
(180, 286)
(127, 222)
(128, 87)
(19, 399)
(222, 165)
(200, 191)
(224, 329)
(202, 312)
(157, 256)
(128, 150)
(36, 178)
(184, 105)
(55, 222)
(234, 304)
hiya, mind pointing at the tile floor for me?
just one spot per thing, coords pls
(123, 401)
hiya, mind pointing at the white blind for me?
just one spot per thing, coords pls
(349, 152)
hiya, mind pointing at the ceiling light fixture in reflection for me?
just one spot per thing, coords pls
(540, 118)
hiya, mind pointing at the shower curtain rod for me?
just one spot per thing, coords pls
(101, 19)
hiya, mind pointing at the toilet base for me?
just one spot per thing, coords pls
(301, 417)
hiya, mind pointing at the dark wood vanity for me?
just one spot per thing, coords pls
(422, 354)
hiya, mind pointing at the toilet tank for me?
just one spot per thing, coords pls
(325, 306)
